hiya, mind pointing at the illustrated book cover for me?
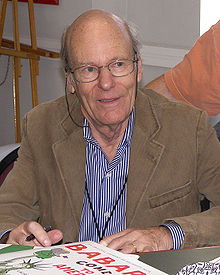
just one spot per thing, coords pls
(75, 258)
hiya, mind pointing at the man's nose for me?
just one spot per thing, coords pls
(106, 79)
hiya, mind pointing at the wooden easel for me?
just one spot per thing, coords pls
(17, 51)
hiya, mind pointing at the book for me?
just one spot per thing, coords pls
(202, 268)
(75, 258)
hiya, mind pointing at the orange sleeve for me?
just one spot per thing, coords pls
(196, 79)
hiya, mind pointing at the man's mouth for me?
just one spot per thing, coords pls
(108, 100)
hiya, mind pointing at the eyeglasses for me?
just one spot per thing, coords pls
(118, 68)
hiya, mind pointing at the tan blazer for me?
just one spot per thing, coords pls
(174, 161)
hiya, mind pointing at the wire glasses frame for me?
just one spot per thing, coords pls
(118, 68)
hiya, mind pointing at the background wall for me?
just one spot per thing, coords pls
(168, 29)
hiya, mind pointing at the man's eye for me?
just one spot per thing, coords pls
(119, 64)
(89, 69)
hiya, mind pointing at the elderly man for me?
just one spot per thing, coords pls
(112, 163)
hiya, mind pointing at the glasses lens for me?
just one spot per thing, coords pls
(86, 74)
(121, 67)
(90, 73)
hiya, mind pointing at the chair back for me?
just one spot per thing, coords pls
(8, 154)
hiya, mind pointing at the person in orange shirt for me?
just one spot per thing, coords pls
(196, 79)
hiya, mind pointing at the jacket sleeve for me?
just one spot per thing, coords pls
(18, 193)
(202, 229)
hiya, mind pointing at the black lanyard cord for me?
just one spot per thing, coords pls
(111, 214)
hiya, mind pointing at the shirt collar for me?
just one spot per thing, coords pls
(126, 140)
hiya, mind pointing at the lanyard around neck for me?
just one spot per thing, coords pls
(111, 214)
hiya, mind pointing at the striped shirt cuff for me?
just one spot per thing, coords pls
(176, 233)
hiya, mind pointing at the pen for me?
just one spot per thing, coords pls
(31, 237)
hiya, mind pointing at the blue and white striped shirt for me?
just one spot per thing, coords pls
(104, 181)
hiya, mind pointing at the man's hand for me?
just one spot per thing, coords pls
(19, 234)
(140, 240)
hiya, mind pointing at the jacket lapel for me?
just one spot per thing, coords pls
(71, 160)
(145, 155)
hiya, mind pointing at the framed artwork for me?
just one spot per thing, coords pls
(49, 2)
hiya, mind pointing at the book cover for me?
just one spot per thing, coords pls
(75, 258)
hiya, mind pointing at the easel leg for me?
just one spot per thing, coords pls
(32, 30)
(16, 99)
(33, 74)
(2, 18)
(16, 31)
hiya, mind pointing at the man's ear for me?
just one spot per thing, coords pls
(140, 69)
(70, 83)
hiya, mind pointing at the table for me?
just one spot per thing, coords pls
(173, 260)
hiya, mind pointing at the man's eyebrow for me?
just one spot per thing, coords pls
(94, 64)
(75, 66)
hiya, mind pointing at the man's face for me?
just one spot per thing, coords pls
(108, 100)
